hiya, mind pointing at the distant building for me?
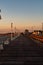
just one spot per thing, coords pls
(38, 32)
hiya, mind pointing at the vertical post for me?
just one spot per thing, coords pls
(42, 26)
(11, 30)
(15, 30)
(32, 28)
(0, 14)
(1, 46)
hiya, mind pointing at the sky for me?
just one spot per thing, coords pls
(22, 13)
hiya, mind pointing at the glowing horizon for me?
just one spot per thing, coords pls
(23, 14)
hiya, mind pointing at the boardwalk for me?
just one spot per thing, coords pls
(22, 51)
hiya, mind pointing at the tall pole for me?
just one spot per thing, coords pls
(11, 30)
(15, 29)
(1, 47)
(42, 26)
(32, 28)
(0, 14)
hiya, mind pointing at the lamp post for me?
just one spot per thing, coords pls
(11, 30)
(1, 46)
(42, 26)
(0, 14)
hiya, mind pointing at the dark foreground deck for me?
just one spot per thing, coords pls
(22, 51)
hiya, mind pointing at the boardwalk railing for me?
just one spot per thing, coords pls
(40, 38)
